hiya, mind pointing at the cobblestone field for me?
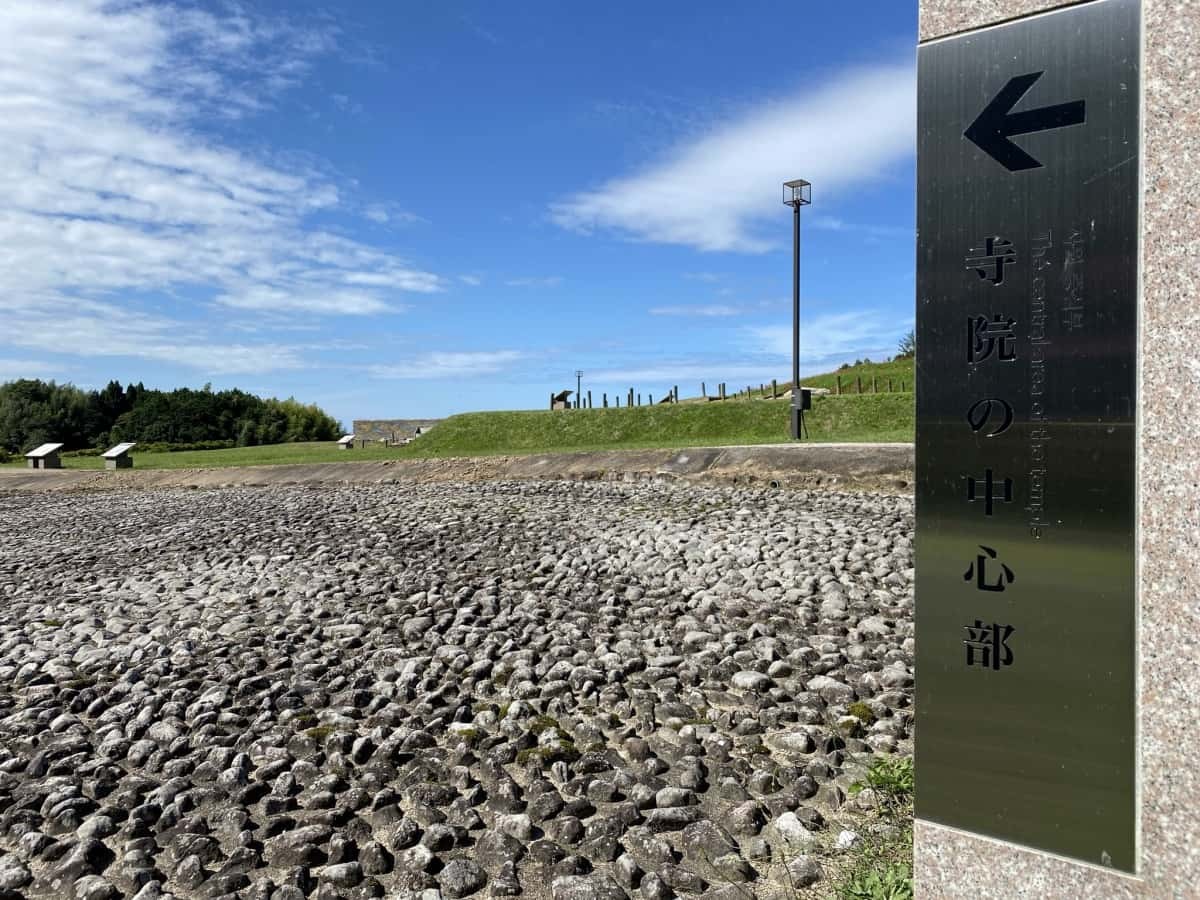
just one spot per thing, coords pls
(576, 690)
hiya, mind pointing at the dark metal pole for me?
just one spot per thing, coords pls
(796, 296)
(797, 412)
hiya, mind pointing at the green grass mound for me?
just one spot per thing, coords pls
(875, 376)
(869, 418)
(894, 376)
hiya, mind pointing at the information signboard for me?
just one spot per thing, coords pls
(1027, 310)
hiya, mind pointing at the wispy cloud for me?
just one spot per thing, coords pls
(831, 338)
(713, 193)
(389, 214)
(346, 105)
(765, 352)
(547, 282)
(709, 310)
(12, 369)
(471, 280)
(94, 328)
(479, 31)
(336, 302)
(376, 213)
(449, 365)
(684, 370)
(111, 188)
(832, 223)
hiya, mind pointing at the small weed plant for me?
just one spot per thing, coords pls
(319, 733)
(891, 883)
(882, 867)
(862, 712)
(891, 780)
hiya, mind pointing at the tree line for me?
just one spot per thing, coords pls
(33, 412)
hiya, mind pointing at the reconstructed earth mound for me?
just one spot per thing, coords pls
(579, 690)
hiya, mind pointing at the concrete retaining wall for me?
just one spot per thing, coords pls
(390, 429)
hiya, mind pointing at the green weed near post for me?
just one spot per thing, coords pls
(893, 882)
(882, 868)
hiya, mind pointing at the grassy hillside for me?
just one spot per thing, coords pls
(882, 417)
(900, 371)
(850, 418)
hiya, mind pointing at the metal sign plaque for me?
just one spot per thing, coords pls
(1027, 298)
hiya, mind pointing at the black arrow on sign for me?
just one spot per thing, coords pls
(991, 131)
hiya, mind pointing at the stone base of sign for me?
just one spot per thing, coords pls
(954, 864)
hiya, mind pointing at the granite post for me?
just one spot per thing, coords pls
(955, 864)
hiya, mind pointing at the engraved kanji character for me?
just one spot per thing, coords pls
(977, 571)
(987, 645)
(985, 338)
(986, 489)
(990, 259)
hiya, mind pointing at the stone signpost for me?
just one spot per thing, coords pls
(1057, 455)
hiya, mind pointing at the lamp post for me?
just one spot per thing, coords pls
(796, 194)
(578, 385)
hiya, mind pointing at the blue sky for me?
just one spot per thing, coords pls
(403, 209)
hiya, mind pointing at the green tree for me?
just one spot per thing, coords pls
(32, 412)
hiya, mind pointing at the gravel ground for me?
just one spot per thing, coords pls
(572, 690)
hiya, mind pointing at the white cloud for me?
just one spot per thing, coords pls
(832, 338)
(832, 223)
(471, 280)
(376, 213)
(337, 302)
(826, 341)
(387, 214)
(714, 193)
(736, 375)
(449, 365)
(112, 188)
(483, 33)
(348, 106)
(705, 310)
(551, 281)
(94, 328)
(13, 369)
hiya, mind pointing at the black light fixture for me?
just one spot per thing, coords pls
(796, 194)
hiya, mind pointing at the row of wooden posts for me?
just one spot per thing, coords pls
(874, 383)
(773, 390)
(632, 398)
(857, 385)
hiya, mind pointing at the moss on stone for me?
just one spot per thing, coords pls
(543, 723)
(548, 753)
(862, 712)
